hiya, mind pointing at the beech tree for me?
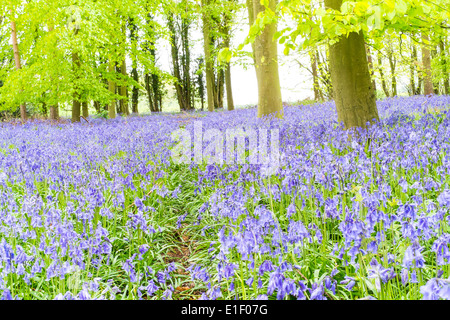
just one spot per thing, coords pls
(343, 25)
(265, 55)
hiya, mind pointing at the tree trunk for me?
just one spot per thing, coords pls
(112, 89)
(444, 67)
(76, 105)
(325, 75)
(85, 109)
(230, 102)
(135, 92)
(207, 50)
(316, 87)
(134, 72)
(434, 55)
(392, 64)
(412, 69)
(226, 31)
(353, 88)
(220, 88)
(266, 63)
(54, 112)
(426, 61)
(23, 109)
(383, 80)
(123, 91)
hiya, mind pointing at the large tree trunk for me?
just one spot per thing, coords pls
(207, 50)
(426, 61)
(353, 88)
(23, 109)
(266, 63)
(112, 89)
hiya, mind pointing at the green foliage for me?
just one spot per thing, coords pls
(50, 33)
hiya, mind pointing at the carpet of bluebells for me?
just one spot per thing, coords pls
(99, 210)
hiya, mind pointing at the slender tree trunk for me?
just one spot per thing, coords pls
(266, 60)
(123, 91)
(353, 88)
(226, 31)
(23, 109)
(316, 86)
(434, 55)
(186, 63)
(426, 61)
(54, 110)
(134, 72)
(383, 80)
(220, 88)
(176, 65)
(392, 64)
(76, 105)
(444, 67)
(230, 102)
(207, 51)
(412, 69)
(135, 92)
(112, 89)
(325, 75)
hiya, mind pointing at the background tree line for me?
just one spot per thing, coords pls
(103, 55)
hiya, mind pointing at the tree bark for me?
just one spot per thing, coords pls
(76, 105)
(207, 51)
(230, 102)
(85, 109)
(392, 64)
(54, 112)
(226, 31)
(412, 69)
(112, 89)
(134, 72)
(316, 86)
(123, 91)
(23, 109)
(426, 61)
(444, 67)
(265, 54)
(353, 88)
